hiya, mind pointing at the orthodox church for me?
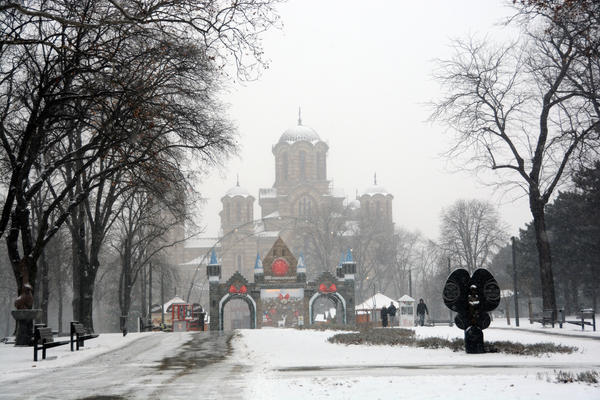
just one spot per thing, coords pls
(302, 208)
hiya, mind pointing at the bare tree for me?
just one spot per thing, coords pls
(471, 233)
(86, 81)
(525, 110)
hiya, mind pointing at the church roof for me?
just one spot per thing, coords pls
(298, 133)
(237, 191)
(375, 189)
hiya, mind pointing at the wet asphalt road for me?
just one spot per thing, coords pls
(195, 370)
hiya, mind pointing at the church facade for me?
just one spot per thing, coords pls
(316, 221)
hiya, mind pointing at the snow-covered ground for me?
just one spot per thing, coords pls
(294, 364)
(303, 364)
(17, 362)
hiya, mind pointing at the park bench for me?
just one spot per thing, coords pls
(586, 313)
(43, 339)
(43, 336)
(547, 317)
(433, 322)
(79, 335)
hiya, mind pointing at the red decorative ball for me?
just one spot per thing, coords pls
(280, 267)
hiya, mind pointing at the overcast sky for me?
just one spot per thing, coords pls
(361, 71)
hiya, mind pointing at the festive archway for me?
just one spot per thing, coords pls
(242, 296)
(328, 295)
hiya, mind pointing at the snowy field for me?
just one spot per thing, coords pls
(294, 364)
(302, 364)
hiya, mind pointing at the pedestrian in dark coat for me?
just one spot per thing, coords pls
(384, 317)
(391, 310)
(421, 310)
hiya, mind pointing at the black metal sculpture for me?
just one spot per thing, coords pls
(472, 297)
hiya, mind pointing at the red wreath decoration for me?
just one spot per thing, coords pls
(241, 290)
(280, 267)
(324, 289)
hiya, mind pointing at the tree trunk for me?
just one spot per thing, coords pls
(87, 300)
(45, 288)
(544, 255)
(60, 288)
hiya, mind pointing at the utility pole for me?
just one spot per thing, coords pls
(150, 290)
(514, 262)
(410, 282)
(449, 310)
(162, 297)
(143, 294)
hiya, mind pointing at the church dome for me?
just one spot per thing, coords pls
(237, 191)
(298, 133)
(354, 205)
(375, 189)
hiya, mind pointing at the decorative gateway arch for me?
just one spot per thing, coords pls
(280, 295)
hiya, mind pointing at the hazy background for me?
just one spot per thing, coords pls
(362, 73)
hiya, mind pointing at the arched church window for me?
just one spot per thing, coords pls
(302, 164)
(320, 166)
(304, 206)
(378, 210)
(284, 166)
(248, 212)
(238, 213)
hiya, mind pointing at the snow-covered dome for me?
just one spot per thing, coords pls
(237, 191)
(375, 189)
(298, 133)
(354, 205)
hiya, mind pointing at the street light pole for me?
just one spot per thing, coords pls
(410, 282)
(514, 262)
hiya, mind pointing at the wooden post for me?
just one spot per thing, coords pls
(507, 311)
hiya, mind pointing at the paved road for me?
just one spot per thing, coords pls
(195, 370)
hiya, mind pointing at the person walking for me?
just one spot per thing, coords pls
(391, 310)
(421, 311)
(384, 317)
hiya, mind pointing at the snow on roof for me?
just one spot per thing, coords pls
(268, 234)
(201, 242)
(274, 214)
(174, 300)
(376, 189)
(337, 192)
(268, 193)
(298, 133)
(237, 191)
(406, 298)
(506, 293)
(376, 302)
(197, 261)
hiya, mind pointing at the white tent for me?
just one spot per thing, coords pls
(376, 301)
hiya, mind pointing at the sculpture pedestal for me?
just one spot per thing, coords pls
(24, 319)
(474, 340)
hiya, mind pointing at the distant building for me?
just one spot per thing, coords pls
(302, 207)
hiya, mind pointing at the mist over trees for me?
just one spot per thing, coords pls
(97, 99)
(573, 225)
(471, 233)
(529, 109)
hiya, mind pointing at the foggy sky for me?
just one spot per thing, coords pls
(362, 73)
